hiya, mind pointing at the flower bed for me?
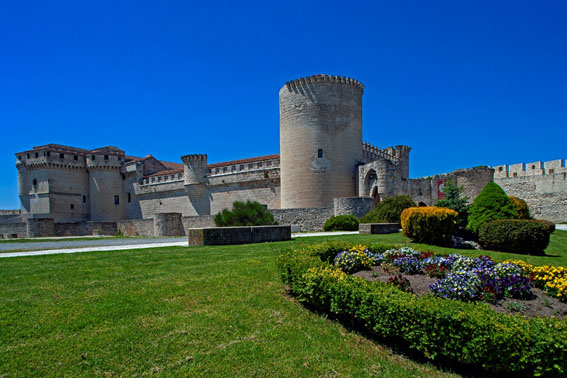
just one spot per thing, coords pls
(452, 330)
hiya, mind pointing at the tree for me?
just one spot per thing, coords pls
(244, 214)
(456, 201)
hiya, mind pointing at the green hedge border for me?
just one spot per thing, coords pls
(454, 331)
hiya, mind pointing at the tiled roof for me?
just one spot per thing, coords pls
(167, 172)
(244, 161)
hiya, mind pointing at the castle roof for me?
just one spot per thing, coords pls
(243, 161)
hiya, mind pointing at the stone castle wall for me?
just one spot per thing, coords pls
(543, 185)
(310, 219)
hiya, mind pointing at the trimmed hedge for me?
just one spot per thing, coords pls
(341, 223)
(454, 331)
(388, 210)
(430, 224)
(514, 235)
(550, 225)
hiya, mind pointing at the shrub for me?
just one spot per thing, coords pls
(389, 210)
(244, 214)
(491, 204)
(514, 235)
(550, 225)
(341, 223)
(521, 207)
(456, 201)
(432, 225)
(464, 333)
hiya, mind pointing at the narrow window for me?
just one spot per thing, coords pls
(179, 175)
(48, 153)
(94, 157)
(233, 168)
(117, 200)
(241, 167)
(250, 166)
(28, 155)
(75, 157)
(259, 165)
(105, 157)
(551, 170)
(217, 170)
(36, 154)
(129, 197)
(533, 166)
(72, 207)
(320, 153)
(153, 179)
(224, 169)
(62, 156)
(19, 157)
(84, 199)
(34, 183)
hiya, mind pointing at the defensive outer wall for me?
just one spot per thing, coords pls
(324, 169)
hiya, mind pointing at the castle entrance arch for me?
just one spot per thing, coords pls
(371, 186)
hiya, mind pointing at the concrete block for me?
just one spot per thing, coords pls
(237, 235)
(378, 228)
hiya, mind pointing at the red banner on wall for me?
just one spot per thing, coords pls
(440, 185)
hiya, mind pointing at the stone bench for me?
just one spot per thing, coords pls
(378, 228)
(237, 235)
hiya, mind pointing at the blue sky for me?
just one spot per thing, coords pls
(464, 83)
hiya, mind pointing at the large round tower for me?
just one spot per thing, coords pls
(320, 140)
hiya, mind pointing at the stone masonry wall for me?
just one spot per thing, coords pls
(310, 219)
(136, 227)
(13, 230)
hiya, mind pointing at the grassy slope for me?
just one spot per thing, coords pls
(218, 311)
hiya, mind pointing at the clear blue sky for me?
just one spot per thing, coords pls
(464, 83)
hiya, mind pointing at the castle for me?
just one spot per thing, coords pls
(323, 163)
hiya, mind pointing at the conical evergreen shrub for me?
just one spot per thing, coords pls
(491, 204)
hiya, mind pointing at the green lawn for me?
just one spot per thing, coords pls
(201, 311)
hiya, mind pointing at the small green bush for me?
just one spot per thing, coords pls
(521, 207)
(491, 204)
(431, 225)
(514, 235)
(389, 210)
(341, 223)
(244, 214)
(440, 329)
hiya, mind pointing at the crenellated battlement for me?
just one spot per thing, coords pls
(187, 159)
(297, 83)
(537, 168)
(372, 153)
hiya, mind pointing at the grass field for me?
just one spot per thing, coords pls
(206, 311)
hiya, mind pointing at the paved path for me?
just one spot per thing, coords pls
(78, 243)
(116, 244)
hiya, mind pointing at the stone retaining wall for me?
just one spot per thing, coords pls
(310, 219)
(378, 228)
(136, 227)
(237, 235)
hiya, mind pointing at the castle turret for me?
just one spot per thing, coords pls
(402, 153)
(195, 170)
(320, 140)
(106, 185)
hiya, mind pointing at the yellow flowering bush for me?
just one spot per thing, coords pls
(552, 279)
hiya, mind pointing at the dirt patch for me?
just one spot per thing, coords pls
(539, 305)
